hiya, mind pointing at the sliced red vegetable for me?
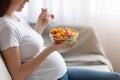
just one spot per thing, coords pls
(58, 41)
(52, 16)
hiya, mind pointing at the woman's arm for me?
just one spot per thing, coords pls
(39, 29)
(42, 21)
(18, 70)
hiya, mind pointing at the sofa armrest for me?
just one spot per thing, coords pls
(4, 74)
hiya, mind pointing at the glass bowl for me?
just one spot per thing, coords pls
(60, 34)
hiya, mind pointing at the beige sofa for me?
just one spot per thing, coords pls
(88, 52)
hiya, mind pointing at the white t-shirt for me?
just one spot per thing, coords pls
(13, 33)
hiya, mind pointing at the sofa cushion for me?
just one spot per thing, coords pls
(94, 67)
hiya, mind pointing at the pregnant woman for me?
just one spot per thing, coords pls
(24, 54)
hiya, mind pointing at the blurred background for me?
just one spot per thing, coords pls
(104, 15)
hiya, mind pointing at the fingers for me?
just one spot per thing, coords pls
(44, 9)
(44, 12)
(73, 44)
(68, 46)
(63, 45)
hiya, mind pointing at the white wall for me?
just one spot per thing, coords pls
(109, 32)
(113, 42)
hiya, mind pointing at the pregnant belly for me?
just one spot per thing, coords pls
(53, 66)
